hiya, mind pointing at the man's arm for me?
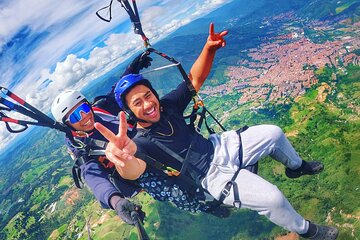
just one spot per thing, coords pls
(202, 66)
(143, 60)
(96, 178)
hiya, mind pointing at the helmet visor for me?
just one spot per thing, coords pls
(75, 115)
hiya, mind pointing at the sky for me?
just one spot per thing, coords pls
(47, 46)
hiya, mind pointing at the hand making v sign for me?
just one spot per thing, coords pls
(121, 149)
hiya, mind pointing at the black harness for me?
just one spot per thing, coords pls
(87, 150)
(188, 176)
(94, 150)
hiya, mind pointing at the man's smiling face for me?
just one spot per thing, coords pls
(144, 104)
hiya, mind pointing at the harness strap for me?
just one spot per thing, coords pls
(190, 154)
(202, 117)
(158, 165)
(232, 183)
(135, 19)
(76, 173)
(86, 151)
(193, 181)
(208, 128)
(100, 152)
(180, 68)
(98, 143)
(164, 148)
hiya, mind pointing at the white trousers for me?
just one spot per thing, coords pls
(255, 192)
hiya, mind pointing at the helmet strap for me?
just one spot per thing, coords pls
(133, 117)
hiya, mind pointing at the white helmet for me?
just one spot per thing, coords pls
(64, 102)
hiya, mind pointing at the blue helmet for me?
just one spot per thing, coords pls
(125, 84)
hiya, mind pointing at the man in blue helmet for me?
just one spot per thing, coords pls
(217, 165)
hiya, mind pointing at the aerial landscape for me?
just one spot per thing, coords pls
(292, 63)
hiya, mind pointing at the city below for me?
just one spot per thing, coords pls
(284, 66)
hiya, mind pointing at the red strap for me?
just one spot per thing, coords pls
(96, 109)
(16, 98)
(7, 119)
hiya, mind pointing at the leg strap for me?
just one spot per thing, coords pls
(226, 191)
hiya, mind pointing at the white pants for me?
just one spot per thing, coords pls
(255, 192)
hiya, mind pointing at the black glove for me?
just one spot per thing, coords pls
(140, 62)
(124, 208)
(141, 214)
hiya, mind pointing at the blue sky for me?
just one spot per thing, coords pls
(64, 43)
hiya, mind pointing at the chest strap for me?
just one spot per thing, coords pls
(188, 175)
(86, 152)
(191, 153)
(98, 143)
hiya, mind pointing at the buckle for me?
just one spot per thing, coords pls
(237, 203)
(198, 130)
(225, 192)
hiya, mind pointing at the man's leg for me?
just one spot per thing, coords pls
(259, 195)
(254, 192)
(269, 140)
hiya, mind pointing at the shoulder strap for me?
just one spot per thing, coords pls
(83, 155)
(76, 174)
(158, 165)
(192, 181)
(164, 148)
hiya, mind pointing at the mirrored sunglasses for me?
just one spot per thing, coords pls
(75, 115)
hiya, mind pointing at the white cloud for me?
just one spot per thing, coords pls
(67, 73)
(5, 136)
(159, 18)
(36, 14)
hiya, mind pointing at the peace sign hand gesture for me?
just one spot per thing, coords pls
(121, 149)
(215, 40)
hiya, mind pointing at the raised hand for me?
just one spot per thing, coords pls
(141, 61)
(215, 40)
(120, 147)
(201, 68)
